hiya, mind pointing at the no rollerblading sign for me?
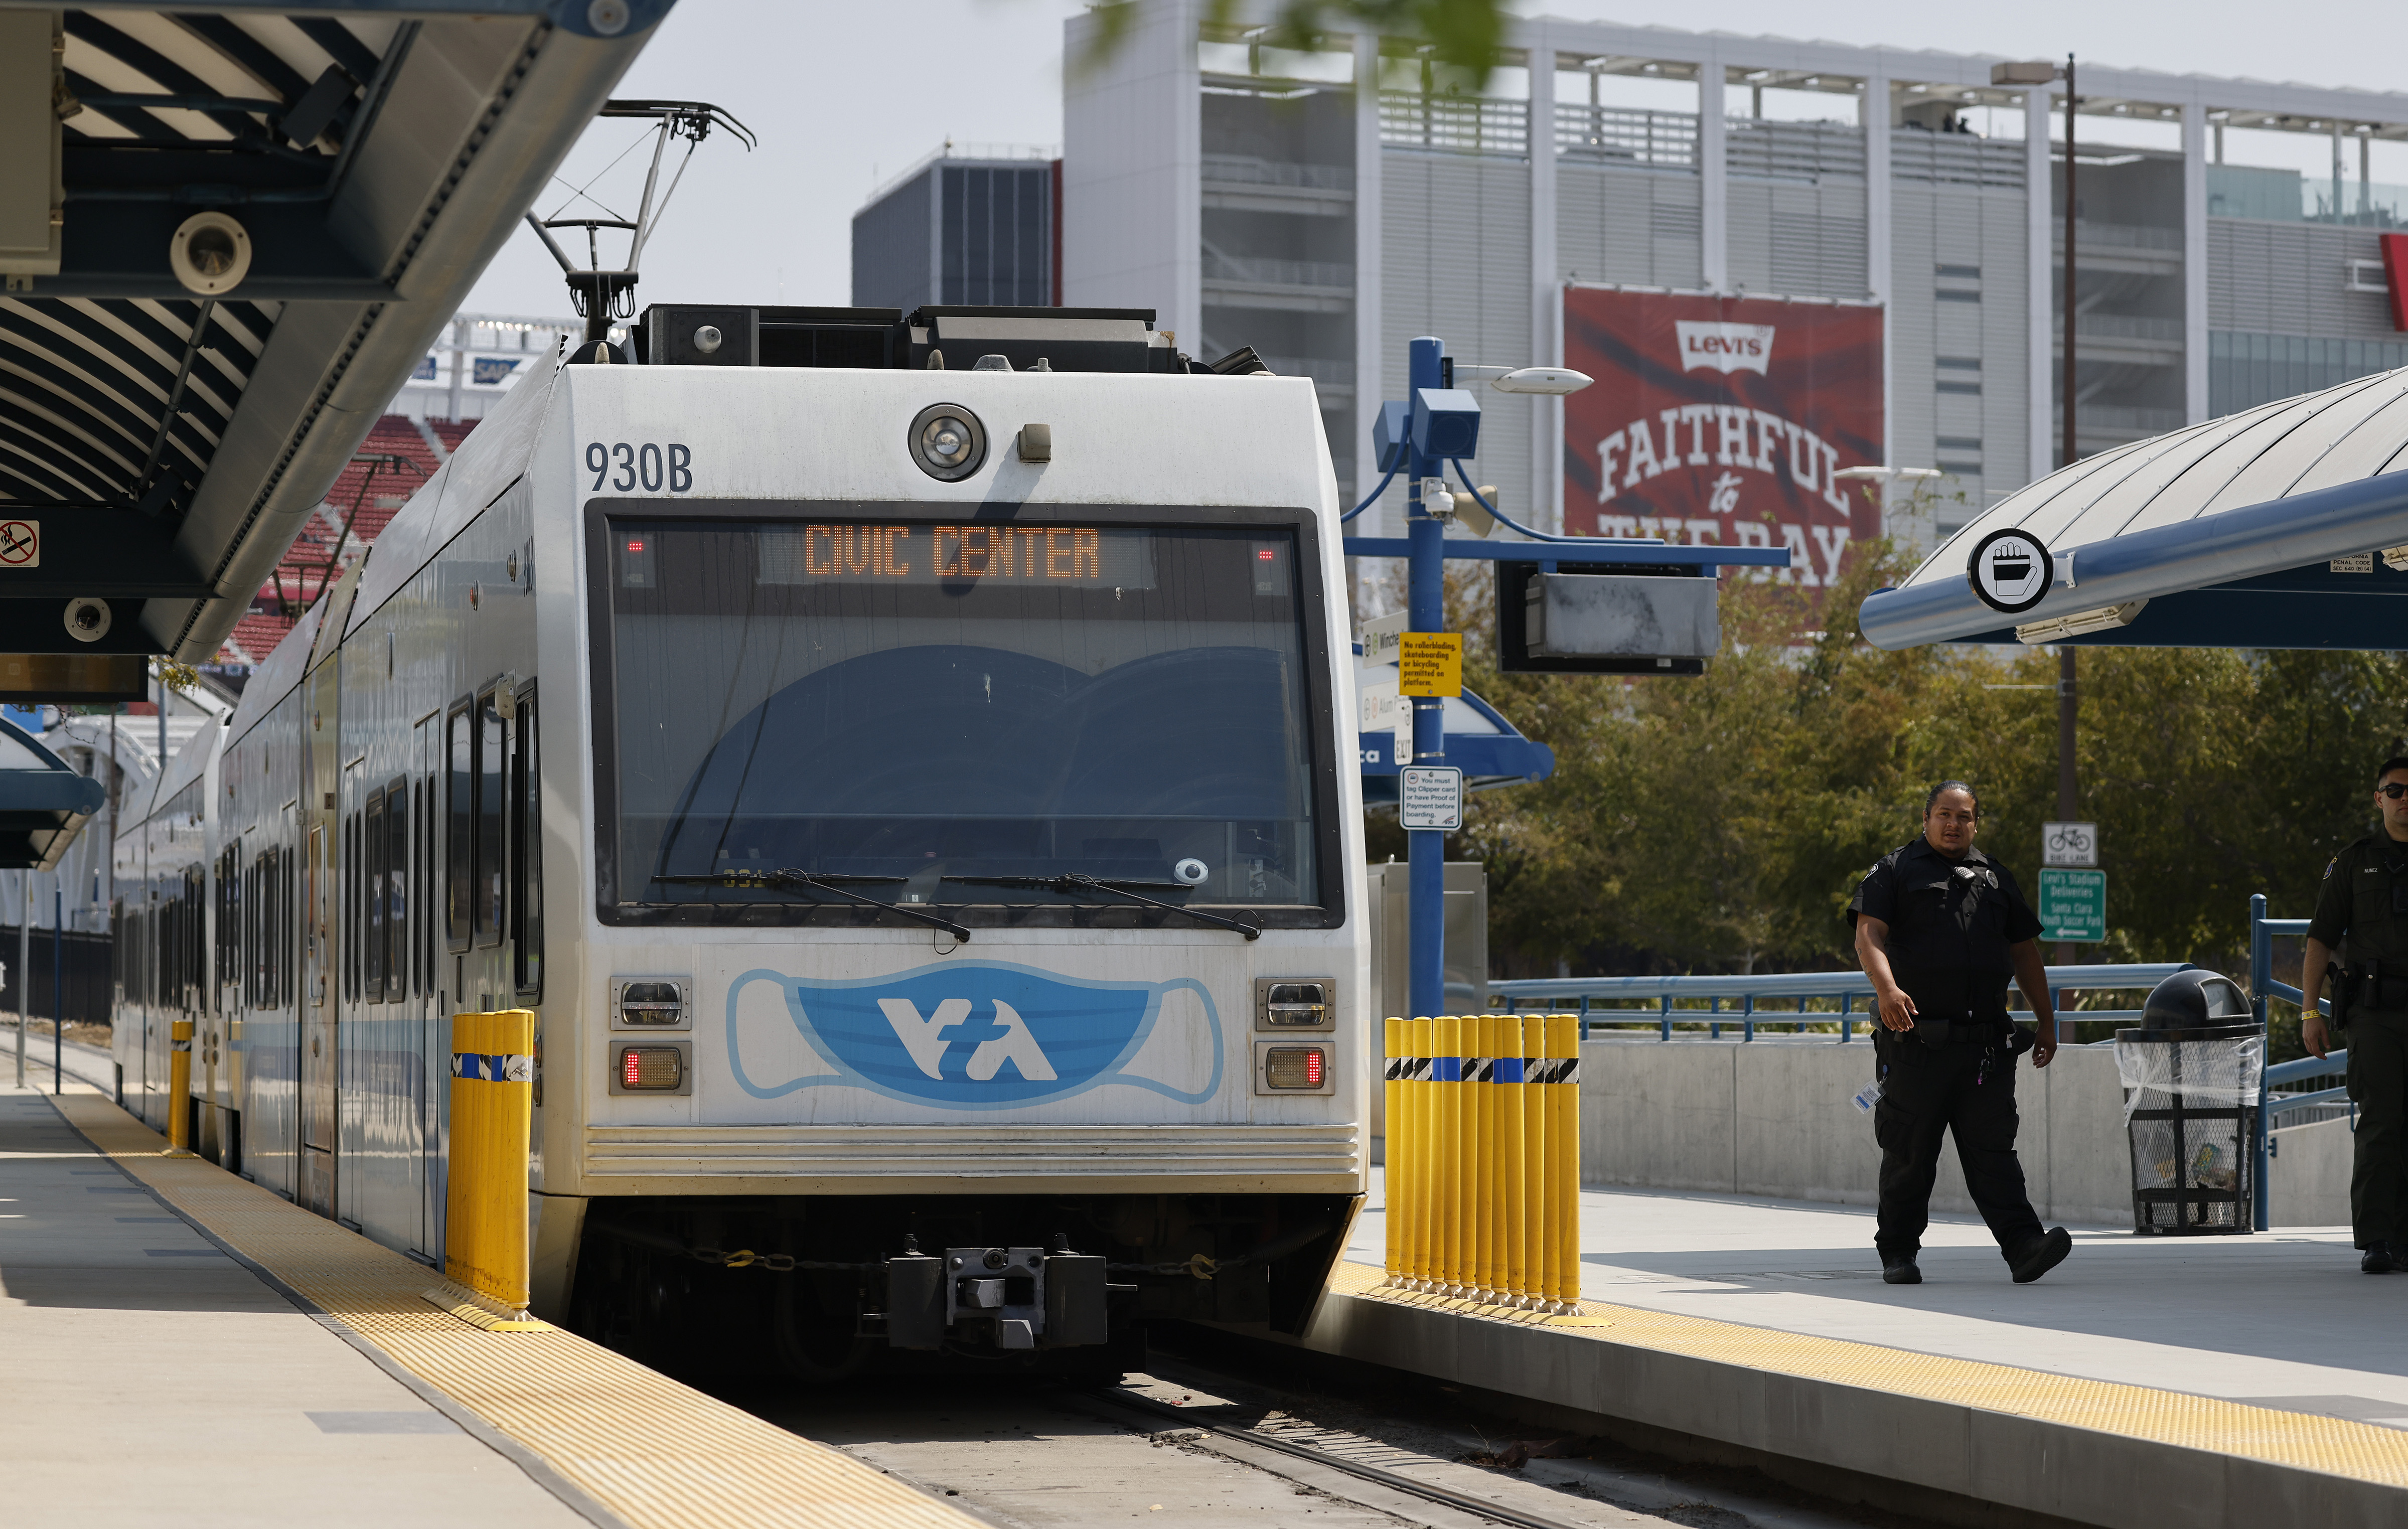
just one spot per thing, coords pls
(2010, 571)
(21, 544)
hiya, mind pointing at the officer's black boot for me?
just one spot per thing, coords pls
(2040, 1255)
(1900, 1269)
(2378, 1259)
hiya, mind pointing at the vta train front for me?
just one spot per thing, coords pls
(937, 877)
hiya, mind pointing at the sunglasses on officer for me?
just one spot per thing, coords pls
(2392, 790)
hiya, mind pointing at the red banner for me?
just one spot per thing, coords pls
(1722, 420)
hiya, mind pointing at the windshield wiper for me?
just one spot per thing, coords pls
(1074, 881)
(794, 880)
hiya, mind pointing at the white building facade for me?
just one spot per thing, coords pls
(1325, 206)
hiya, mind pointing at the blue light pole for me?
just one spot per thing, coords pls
(1426, 611)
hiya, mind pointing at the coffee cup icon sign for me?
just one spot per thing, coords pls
(2010, 571)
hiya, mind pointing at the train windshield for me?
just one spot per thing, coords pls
(931, 702)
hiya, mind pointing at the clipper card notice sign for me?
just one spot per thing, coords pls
(1722, 420)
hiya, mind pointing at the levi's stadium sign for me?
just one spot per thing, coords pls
(1723, 422)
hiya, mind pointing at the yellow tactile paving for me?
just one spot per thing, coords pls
(652, 1450)
(2302, 1440)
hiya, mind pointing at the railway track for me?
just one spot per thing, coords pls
(1203, 1446)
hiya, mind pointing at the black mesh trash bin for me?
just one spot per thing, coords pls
(2191, 1075)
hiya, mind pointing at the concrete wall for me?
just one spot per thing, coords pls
(1774, 1117)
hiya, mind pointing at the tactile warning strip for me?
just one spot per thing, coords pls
(2302, 1439)
(642, 1446)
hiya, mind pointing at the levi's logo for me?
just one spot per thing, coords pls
(1723, 347)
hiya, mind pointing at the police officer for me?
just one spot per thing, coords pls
(1939, 928)
(2362, 914)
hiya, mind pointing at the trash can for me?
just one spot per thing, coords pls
(2191, 1074)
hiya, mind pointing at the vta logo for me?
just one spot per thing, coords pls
(927, 1043)
(990, 1036)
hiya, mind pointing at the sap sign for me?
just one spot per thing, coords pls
(975, 1035)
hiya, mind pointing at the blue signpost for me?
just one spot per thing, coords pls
(1433, 426)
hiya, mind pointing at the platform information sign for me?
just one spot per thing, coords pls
(2072, 905)
(1429, 664)
(1432, 796)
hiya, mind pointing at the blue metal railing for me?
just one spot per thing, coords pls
(1677, 1000)
(2262, 986)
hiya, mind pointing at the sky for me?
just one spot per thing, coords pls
(844, 96)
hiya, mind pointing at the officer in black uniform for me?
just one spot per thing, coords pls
(2362, 917)
(1939, 929)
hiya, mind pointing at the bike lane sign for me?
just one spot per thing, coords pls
(2070, 844)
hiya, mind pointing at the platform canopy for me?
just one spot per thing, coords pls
(254, 220)
(2266, 529)
(43, 803)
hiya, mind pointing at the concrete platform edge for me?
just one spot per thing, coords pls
(2038, 1466)
(532, 1465)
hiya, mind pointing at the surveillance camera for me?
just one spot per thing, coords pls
(87, 618)
(211, 253)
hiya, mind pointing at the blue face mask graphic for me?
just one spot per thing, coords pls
(975, 1035)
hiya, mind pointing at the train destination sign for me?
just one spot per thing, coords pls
(1092, 557)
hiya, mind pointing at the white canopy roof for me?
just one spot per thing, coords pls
(2225, 535)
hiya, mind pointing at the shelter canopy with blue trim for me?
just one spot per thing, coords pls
(2286, 526)
(43, 803)
(176, 402)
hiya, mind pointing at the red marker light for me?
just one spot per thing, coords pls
(633, 1062)
(1312, 1069)
(634, 547)
(1264, 555)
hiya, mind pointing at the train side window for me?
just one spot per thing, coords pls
(373, 899)
(460, 822)
(493, 804)
(395, 892)
(527, 851)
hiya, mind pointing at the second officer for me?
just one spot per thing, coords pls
(1939, 928)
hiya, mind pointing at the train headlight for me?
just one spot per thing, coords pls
(947, 442)
(1288, 1003)
(649, 1004)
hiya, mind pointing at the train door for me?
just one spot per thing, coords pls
(418, 938)
(321, 1000)
(352, 1099)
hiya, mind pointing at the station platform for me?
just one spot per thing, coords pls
(2211, 1381)
(183, 1345)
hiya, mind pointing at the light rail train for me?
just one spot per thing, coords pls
(906, 766)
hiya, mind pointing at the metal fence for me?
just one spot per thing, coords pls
(2263, 985)
(1781, 1000)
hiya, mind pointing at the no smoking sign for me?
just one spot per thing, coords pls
(21, 544)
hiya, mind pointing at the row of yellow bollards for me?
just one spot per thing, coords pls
(1483, 1158)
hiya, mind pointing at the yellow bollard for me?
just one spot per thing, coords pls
(1491, 1171)
(1538, 1262)
(1446, 1163)
(1509, 1076)
(1563, 1168)
(1480, 1100)
(1392, 1087)
(1417, 1153)
(493, 1109)
(179, 1087)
